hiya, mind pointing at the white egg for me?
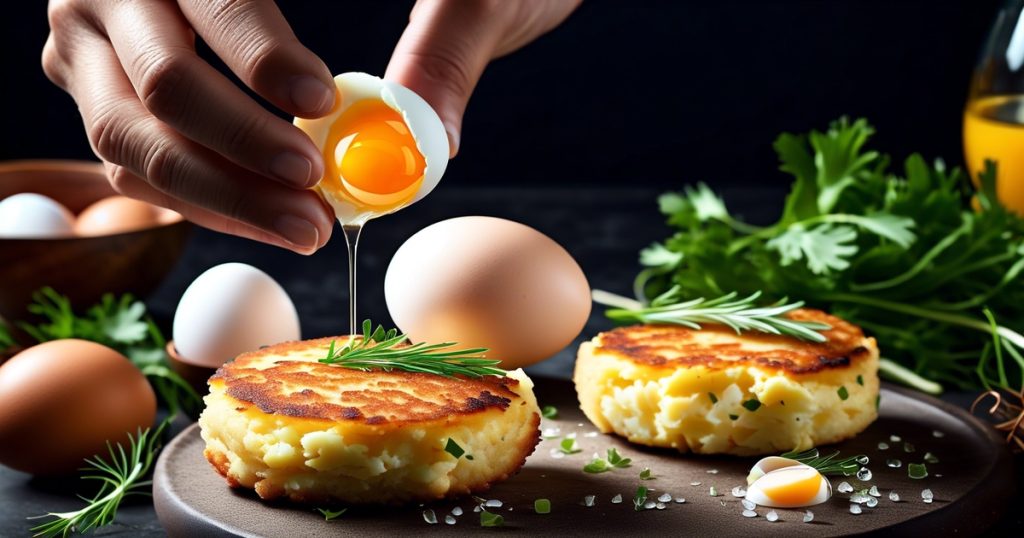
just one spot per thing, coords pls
(228, 310)
(767, 465)
(384, 177)
(34, 216)
(790, 487)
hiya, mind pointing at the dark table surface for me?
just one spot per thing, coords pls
(602, 228)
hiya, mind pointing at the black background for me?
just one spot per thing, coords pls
(659, 93)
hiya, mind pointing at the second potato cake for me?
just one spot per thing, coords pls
(711, 391)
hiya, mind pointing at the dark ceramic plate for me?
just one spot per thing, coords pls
(970, 483)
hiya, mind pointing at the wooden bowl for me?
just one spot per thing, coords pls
(83, 268)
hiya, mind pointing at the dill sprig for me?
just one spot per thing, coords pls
(827, 465)
(380, 349)
(738, 314)
(124, 474)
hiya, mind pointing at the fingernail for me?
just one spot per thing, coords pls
(292, 168)
(453, 140)
(297, 231)
(311, 96)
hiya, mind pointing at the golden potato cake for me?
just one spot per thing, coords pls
(712, 391)
(281, 423)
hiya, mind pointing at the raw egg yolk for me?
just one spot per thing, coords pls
(371, 156)
(794, 490)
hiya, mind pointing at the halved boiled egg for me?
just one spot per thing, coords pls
(790, 487)
(384, 148)
(767, 465)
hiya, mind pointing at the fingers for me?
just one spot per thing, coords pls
(448, 44)
(155, 47)
(255, 41)
(123, 132)
(128, 184)
(440, 56)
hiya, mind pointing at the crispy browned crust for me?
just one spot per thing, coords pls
(297, 386)
(673, 346)
(220, 462)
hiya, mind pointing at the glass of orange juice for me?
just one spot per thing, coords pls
(994, 116)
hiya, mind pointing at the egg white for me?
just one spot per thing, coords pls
(757, 495)
(423, 122)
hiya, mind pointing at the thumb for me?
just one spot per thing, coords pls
(442, 54)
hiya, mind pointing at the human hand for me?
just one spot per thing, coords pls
(448, 43)
(175, 132)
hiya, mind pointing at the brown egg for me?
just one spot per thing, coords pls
(61, 401)
(488, 282)
(117, 214)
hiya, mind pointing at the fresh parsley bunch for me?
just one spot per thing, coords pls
(921, 258)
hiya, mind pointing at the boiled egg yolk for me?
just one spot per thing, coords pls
(790, 487)
(371, 158)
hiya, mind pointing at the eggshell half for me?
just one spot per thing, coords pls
(423, 122)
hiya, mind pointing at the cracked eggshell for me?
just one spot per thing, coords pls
(423, 122)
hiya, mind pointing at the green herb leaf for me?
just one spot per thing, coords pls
(453, 448)
(713, 398)
(752, 404)
(331, 514)
(737, 314)
(646, 474)
(843, 393)
(860, 380)
(827, 465)
(640, 498)
(549, 411)
(733, 417)
(120, 476)
(900, 251)
(616, 460)
(596, 465)
(380, 349)
(488, 519)
(917, 471)
(542, 506)
(569, 446)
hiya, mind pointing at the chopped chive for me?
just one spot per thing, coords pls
(917, 471)
(733, 417)
(843, 393)
(453, 448)
(714, 399)
(646, 474)
(597, 465)
(640, 498)
(549, 411)
(488, 519)
(469, 457)
(331, 514)
(542, 506)
(569, 446)
(860, 380)
(752, 404)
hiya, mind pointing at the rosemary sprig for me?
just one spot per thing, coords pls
(380, 349)
(827, 465)
(122, 475)
(738, 314)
